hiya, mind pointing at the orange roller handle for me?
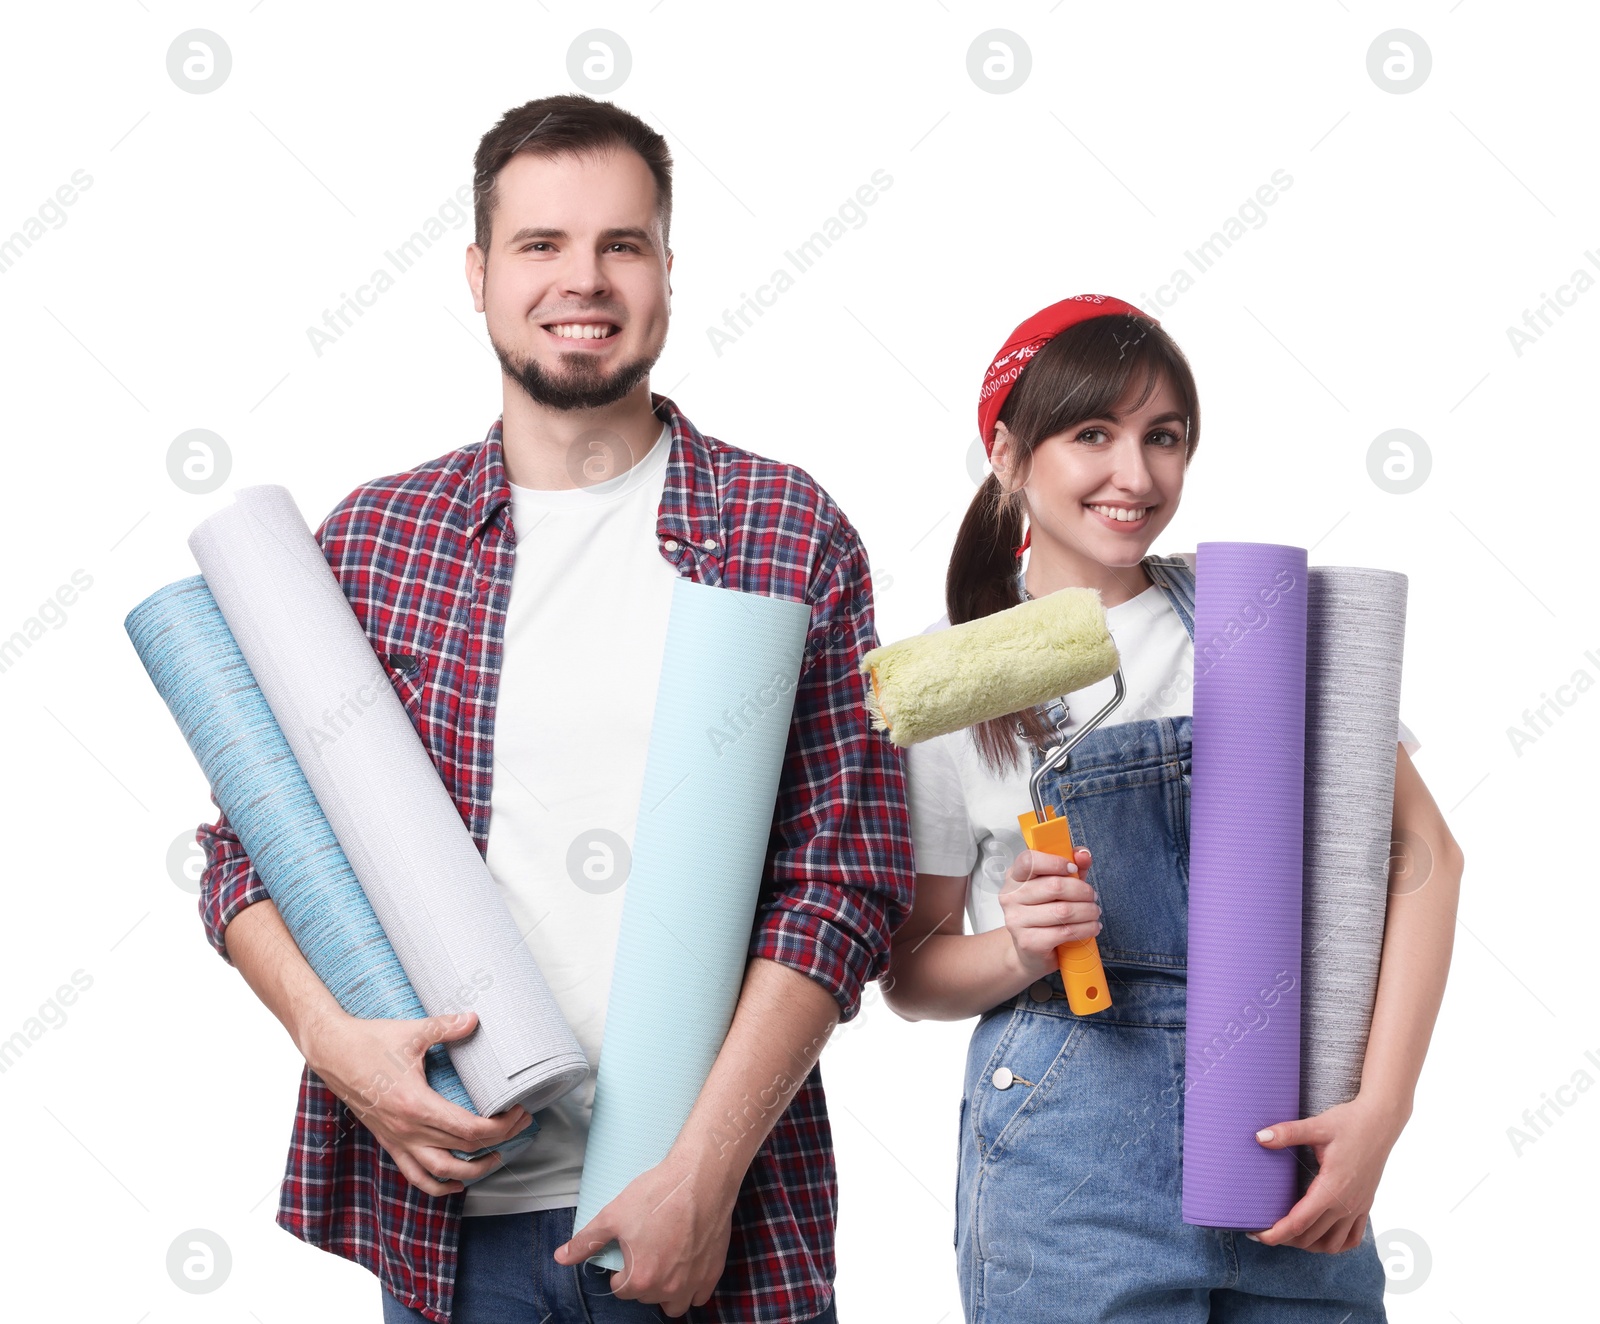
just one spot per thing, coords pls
(1082, 975)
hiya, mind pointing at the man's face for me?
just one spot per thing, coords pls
(575, 286)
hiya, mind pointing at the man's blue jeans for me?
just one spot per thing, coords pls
(505, 1274)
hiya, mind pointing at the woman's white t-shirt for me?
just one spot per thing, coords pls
(964, 815)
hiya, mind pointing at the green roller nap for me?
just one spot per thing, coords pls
(729, 671)
(932, 684)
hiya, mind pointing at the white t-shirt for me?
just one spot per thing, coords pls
(585, 630)
(964, 816)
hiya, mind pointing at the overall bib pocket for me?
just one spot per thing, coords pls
(1125, 793)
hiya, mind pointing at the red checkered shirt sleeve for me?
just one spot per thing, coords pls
(839, 881)
(228, 883)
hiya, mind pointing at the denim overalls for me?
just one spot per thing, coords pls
(1068, 1196)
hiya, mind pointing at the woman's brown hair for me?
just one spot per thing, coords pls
(1080, 374)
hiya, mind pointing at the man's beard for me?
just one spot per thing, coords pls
(583, 384)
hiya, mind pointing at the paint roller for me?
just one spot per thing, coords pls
(932, 684)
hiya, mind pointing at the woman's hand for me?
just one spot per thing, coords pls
(1047, 902)
(1352, 1143)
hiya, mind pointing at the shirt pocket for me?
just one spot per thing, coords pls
(407, 672)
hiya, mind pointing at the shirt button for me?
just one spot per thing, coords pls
(710, 544)
(1041, 992)
(671, 544)
(1002, 1078)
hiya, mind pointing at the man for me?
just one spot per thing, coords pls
(517, 592)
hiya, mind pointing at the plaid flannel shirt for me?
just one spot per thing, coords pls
(425, 559)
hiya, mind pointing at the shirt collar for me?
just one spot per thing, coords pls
(688, 509)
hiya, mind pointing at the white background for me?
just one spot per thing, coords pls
(1378, 294)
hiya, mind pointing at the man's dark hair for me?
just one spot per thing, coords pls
(570, 123)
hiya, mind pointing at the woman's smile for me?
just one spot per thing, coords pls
(1124, 519)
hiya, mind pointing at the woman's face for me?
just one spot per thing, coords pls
(1105, 487)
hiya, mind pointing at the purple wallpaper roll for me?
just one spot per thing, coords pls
(1246, 842)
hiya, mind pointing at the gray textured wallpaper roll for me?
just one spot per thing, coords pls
(1356, 639)
(432, 892)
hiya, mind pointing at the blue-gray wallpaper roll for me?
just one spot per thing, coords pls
(1355, 647)
(417, 863)
(197, 669)
(729, 670)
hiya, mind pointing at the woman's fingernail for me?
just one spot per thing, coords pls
(1252, 1236)
(1072, 868)
(1264, 1134)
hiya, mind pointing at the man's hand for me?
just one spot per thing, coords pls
(375, 1066)
(673, 1224)
(1352, 1143)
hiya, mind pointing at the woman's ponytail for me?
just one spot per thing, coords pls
(981, 580)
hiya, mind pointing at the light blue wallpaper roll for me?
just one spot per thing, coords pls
(729, 671)
(196, 667)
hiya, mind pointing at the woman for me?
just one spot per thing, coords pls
(1069, 1187)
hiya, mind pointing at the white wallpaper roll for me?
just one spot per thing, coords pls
(380, 792)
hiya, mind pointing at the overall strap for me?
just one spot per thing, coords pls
(1175, 577)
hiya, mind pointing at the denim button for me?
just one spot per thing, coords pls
(1002, 1078)
(1041, 992)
